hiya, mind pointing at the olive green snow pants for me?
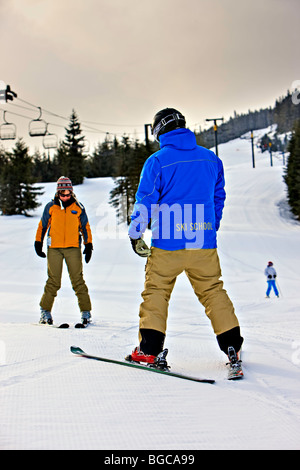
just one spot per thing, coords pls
(203, 270)
(73, 259)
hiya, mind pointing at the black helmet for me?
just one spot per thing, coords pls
(166, 120)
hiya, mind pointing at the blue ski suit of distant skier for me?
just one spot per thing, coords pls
(181, 192)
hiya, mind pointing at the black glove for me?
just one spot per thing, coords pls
(88, 252)
(38, 246)
(140, 247)
(269, 277)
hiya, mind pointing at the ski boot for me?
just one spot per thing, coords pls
(86, 317)
(235, 369)
(46, 317)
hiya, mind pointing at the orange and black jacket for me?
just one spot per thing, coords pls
(66, 225)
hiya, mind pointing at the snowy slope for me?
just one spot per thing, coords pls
(51, 399)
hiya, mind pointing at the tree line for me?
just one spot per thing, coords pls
(284, 114)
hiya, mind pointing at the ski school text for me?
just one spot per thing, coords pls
(193, 226)
(151, 459)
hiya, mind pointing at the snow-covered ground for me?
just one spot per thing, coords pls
(51, 399)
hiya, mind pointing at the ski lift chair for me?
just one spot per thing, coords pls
(50, 141)
(38, 127)
(8, 130)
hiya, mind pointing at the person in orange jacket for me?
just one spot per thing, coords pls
(66, 221)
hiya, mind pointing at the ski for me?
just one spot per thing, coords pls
(82, 325)
(62, 326)
(79, 352)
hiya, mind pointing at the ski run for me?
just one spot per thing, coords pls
(51, 399)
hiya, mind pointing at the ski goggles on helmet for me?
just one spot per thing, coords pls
(174, 117)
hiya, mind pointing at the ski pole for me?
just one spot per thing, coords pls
(280, 292)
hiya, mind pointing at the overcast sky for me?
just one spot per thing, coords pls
(117, 62)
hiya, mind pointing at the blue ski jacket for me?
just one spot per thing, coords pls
(181, 192)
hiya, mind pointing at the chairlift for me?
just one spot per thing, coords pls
(38, 127)
(8, 130)
(50, 140)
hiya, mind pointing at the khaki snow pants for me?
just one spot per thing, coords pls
(203, 270)
(73, 259)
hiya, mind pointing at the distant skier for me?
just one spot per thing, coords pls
(271, 274)
(181, 192)
(66, 221)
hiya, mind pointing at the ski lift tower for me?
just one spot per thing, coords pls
(216, 131)
(146, 134)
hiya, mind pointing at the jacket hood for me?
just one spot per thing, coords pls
(182, 139)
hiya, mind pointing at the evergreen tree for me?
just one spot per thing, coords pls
(74, 145)
(131, 159)
(292, 173)
(45, 169)
(102, 161)
(17, 193)
(61, 161)
(119, 195)
(3, 159)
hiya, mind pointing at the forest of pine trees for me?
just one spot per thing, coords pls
(292, 172)
(123, 160)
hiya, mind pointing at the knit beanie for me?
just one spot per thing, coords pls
(64, 183)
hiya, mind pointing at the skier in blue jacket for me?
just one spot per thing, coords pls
(271, 274)
(181, 194)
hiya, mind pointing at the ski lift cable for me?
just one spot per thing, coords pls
(113, 125)
(50, 123)
(84, 127)
(64, 118)
(82, 121)
(21, 107)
